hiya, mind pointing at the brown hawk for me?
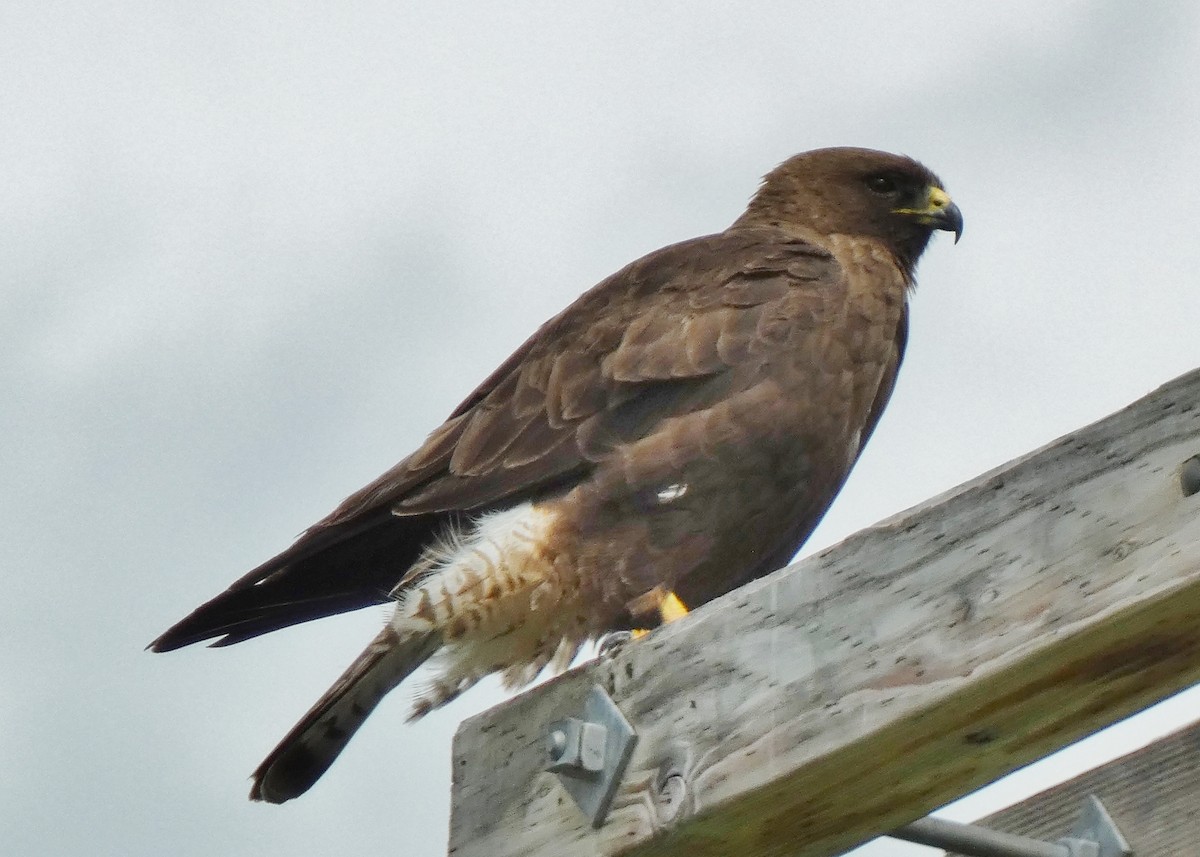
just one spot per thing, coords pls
(677, 431)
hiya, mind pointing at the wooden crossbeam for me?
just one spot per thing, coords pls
(857, 690)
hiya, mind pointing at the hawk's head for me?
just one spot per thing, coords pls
(857, 192)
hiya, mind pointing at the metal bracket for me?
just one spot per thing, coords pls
(1094, 835)
(1096, 831)
(589, 753)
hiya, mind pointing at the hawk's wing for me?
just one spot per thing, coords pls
(648, 342)
(674, 332)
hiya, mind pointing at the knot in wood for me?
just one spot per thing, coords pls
(1189, 476)
(670, 795)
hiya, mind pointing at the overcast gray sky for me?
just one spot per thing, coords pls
(253, 253)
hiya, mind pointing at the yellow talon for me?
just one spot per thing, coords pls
(665, 602)
(671, 608)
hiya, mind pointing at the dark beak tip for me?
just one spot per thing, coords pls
(952, 221)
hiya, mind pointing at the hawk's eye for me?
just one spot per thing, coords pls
(882, 184)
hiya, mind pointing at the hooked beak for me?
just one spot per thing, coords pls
(938, 213)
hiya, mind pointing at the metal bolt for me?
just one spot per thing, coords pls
(556, 744)
(592, 737)
(575, 745)
(589, 753)
(1080, 847)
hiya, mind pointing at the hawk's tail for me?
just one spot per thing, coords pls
(307, 751)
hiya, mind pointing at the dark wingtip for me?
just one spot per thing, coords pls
(163, 644)
(180, 634)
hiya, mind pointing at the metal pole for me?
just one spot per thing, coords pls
(976, 841)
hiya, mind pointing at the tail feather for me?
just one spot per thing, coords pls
(313, 744)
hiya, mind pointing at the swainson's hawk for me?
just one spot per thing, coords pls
(678, 430)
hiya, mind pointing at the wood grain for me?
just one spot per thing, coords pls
(916, 661)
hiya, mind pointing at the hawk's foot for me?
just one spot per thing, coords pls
(659, 601)
(612, 642)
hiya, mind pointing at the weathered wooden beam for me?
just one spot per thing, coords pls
(916, 661)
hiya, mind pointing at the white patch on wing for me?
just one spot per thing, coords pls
(494, 592)
(672, 492)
